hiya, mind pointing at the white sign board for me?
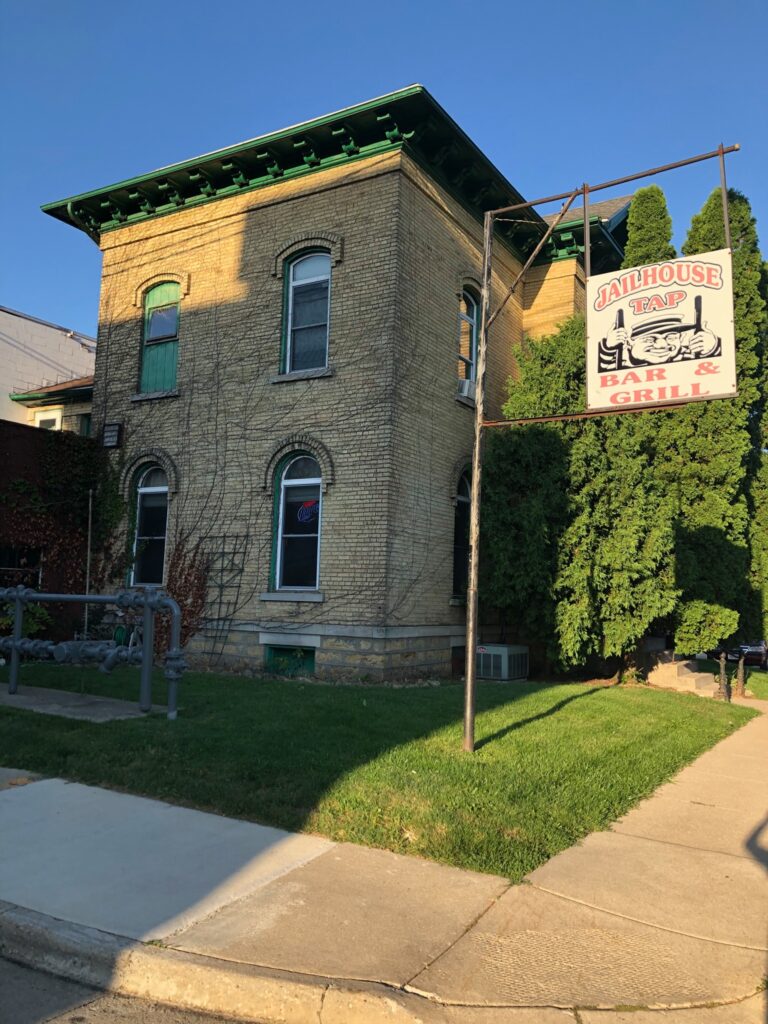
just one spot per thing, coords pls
(661, 334)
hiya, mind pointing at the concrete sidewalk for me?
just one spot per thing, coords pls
(666, 912)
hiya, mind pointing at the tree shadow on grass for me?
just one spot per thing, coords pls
(501, 733)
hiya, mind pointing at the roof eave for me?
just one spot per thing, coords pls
(409, 118)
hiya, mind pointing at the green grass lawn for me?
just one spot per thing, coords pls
(383, 766)
(757, 683)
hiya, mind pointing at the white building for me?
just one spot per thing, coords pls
(35, 354)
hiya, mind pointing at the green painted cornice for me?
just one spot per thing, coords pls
(409, 119)
(567, 242)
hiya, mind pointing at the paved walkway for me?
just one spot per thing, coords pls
(83, 706)
(663, 917)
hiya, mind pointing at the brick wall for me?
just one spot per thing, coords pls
(386, 424)
(552, 293)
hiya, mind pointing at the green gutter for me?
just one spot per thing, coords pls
(52, 397)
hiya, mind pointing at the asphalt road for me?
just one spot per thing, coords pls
(31, 997)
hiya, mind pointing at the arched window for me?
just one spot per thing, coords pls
(308, 308)
(469, 322)
(160, 337)
(151, 526)
(298, 533)
(461, 536)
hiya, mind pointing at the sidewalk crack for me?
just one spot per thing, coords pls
(458, 938)
(649, 924)
(682, 846)
(322, 1004)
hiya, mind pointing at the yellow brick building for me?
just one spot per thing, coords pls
(285, 371)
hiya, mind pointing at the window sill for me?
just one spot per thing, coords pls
(283, 378)
(315, 596)
(469, 402)
(150, 396)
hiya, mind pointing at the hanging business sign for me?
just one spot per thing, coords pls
(661, 334)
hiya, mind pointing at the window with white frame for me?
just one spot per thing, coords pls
(151, 527)
(461, 536)
(308, 307)
(469, 319)
(298, 531)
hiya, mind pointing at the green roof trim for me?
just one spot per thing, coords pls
(64, 396)
(567, 242)
(409, 119)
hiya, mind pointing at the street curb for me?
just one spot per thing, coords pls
(193, 982)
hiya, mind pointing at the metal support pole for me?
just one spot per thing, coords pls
(147, 652)
(724, 194)
(486, 319)
(540, 245)
(18, 617)
(587, 234)
(174, 659)
(651, 172)
(474, 508)
(740, 680)
(722, 687)
(88, 562)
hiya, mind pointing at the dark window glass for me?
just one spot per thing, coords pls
(151, 523)
(150, 556)
(468, 329)
(300, 561)
(153, 509)
(310, 282)
(162, 323)
(300, 531)
(19, 565)
(47, 424)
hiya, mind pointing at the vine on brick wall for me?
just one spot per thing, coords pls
(187, 583)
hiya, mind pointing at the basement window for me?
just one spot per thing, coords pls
(290, 661)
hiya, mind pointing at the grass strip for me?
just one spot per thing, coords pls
(383, 766)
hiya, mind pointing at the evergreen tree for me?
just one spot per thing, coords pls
(709, 452)
(649, 229)
(602, 556)
(617, 572)
(664, 512)
(525, 489)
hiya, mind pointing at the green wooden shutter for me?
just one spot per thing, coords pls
(159, 359)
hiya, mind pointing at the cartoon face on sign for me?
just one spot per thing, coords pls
(660, 339)
(661, 334)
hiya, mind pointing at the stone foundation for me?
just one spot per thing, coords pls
(369, 654)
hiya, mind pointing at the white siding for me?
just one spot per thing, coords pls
(34, 354)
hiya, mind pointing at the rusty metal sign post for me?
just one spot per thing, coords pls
(487, 317)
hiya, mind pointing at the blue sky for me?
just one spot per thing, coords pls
(555, 93)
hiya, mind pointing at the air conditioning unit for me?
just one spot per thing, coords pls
(502, 661)
(466, 389)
